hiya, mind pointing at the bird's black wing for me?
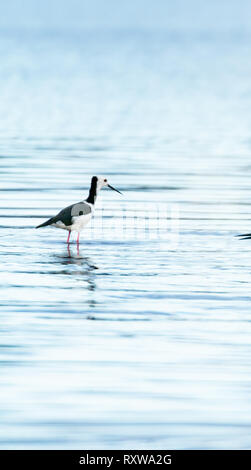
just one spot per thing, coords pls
(66, 215)
(81, 208)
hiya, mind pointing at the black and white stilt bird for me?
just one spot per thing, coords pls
(76, 216)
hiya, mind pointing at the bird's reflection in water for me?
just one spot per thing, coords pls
(84, 267)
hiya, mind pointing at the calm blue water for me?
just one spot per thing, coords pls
(129, 343)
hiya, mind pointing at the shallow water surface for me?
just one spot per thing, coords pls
(130, 342)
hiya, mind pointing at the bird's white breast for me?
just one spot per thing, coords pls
(80, 221)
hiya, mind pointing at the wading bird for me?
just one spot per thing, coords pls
(76, 216)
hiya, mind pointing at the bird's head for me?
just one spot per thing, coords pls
(101, 181)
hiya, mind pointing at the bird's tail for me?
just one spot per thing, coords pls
(47, 222)
(244, 236)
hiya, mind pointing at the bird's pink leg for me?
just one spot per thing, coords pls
(78, 238)
(68, 250)
(68, 239)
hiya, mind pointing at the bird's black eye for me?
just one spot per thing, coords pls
(105, 181)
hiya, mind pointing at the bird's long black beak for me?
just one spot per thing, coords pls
(111, 187)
